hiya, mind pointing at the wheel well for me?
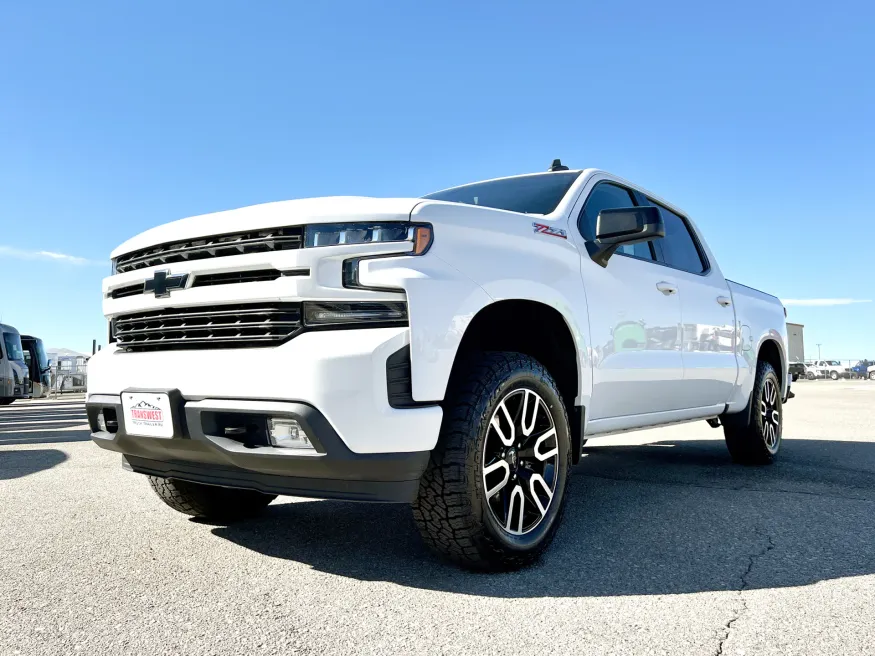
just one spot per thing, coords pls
(769, 352)
(536, 330)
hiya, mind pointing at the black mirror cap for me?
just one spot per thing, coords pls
(630, 225)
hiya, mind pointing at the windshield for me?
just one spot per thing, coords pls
(833, 363)
(41, 356)
(529, 194)
(13, 347)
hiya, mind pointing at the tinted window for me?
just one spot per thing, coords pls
(607, 196)
(604, 197)
(529, 194)
(41, 355)
(13, 346)
(678, 247)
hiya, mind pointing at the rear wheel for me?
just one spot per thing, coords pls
(209, 501)
(872, 375)
(493, 492)
(753, 436)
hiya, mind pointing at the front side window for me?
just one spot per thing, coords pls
(678, 246)
(607, 196)
(13, 347)
(540, 193)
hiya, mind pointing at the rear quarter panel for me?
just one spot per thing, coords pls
(759, 317)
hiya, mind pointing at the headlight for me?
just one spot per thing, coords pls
(339, 234)
(329, 313)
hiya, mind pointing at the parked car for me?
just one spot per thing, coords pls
(832, 369)
(863, 369)
(797, 370)
(452, 351)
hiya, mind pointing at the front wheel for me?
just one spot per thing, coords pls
(810, 376)
(872, 375)
(493, 493)
(834, 375)
(753, 436)
(210, 502)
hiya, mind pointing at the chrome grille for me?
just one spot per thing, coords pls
(238, 243)
(208, 327)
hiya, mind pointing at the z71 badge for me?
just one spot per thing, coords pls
(549, 230)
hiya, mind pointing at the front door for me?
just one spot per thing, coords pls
(635, 315)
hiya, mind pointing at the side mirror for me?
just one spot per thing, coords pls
(630, 225)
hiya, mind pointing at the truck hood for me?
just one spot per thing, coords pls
(334, 209)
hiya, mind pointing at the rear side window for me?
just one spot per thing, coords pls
(679, 248)
(607, 196)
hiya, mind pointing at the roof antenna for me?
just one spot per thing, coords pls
(557, 166)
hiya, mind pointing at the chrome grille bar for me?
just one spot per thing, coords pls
(222, 326)
(259, 241)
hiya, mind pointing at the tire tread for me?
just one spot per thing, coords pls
(446, 510)
(209, 501)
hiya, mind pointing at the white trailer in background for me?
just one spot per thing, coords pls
(796, 350)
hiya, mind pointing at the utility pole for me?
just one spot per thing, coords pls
(818, 351)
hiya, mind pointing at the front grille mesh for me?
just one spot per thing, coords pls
(238, 243)
(208, 327)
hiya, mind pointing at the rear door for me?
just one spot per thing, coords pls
(707, 316)
(634, 315)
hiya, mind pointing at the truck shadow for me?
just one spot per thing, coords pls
(18, 464)
(664, 518)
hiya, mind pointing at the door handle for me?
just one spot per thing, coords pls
(725, 301)
(667, 288)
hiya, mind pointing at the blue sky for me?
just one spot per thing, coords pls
(756, 118)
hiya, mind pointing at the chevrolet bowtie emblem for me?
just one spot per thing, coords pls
(162, 284)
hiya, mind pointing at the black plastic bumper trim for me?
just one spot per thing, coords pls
(332, 470)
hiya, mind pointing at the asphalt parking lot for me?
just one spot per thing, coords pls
(667, 547)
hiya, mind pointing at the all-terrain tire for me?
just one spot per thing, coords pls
(754, 435)
(452, 510)
(209, 501)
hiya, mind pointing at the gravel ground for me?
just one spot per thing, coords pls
(667, 548)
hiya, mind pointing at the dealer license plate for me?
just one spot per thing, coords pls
(147, 414)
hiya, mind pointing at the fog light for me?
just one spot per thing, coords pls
(287, 433)
(101, 422)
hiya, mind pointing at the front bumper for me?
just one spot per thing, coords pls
(342, 373)
(201, 452)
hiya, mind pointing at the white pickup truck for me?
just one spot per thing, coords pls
(452, 351)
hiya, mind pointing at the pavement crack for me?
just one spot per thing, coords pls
(741, 607)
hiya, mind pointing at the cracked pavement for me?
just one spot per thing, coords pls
(667, 548)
